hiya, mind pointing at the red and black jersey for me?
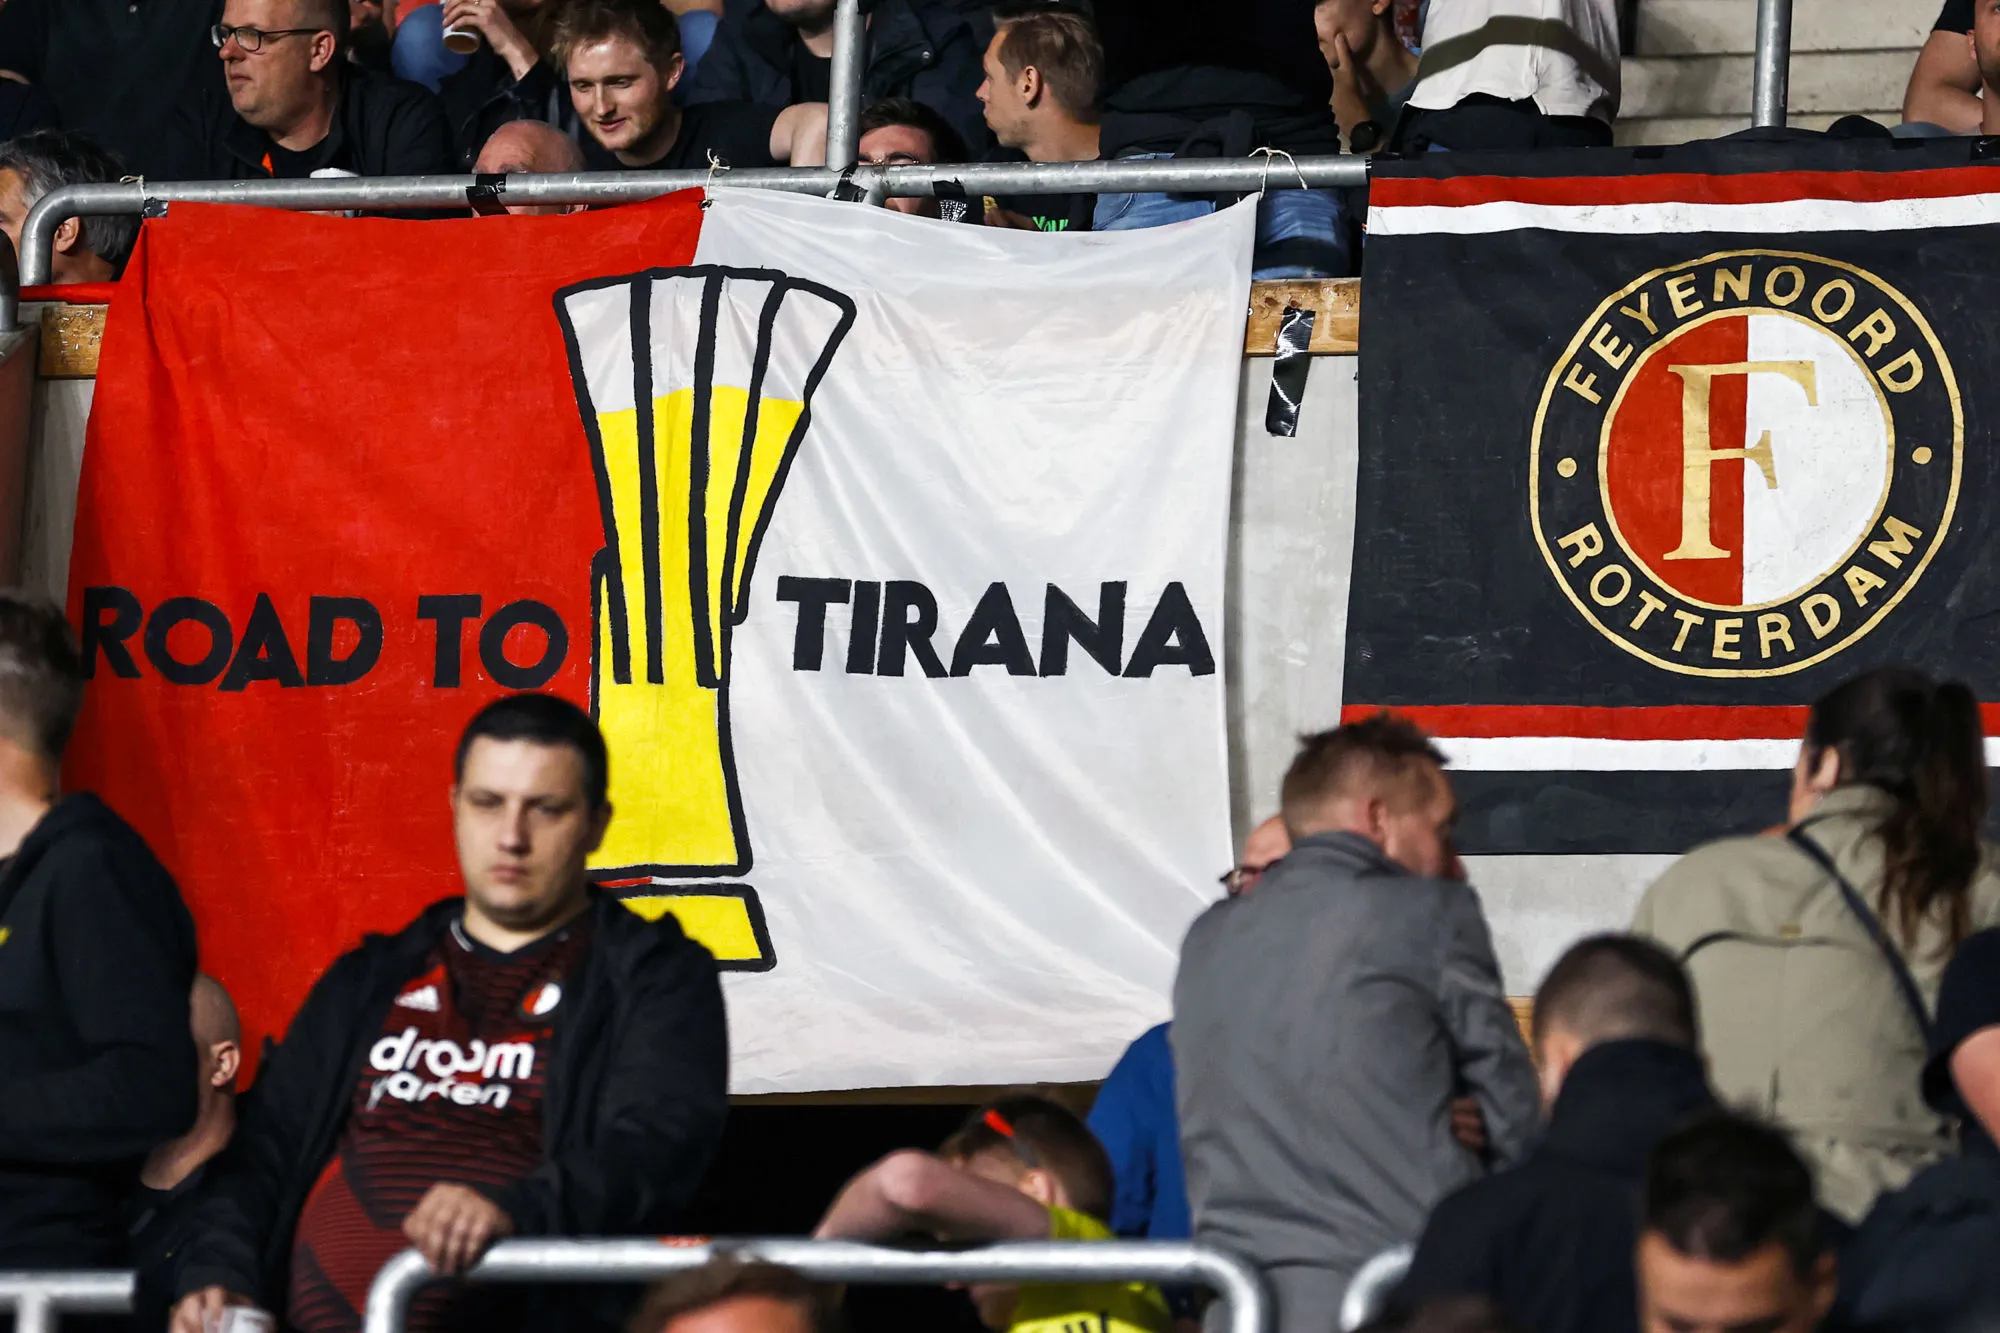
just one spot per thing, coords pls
(451, 1091)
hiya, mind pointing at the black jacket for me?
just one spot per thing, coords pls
(381, 127)
(916, 48)
(633, 1108)
(1922, 1260)
(1210, 111)
(1550, 1241)
(97, 956)
(485, 95)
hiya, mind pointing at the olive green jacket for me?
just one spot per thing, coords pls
(1802, 1018)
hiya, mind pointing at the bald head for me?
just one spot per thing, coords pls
(525, 148)
(212, 1013)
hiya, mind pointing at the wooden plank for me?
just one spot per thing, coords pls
(1336, 303)
(71, 334)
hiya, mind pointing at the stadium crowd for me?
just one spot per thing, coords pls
(1771, 1106)
(91, 90)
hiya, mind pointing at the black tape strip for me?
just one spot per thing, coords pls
(483, 195)
(1288, 372)
(847, 192)
(153, 208)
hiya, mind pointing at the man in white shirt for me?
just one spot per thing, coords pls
(1515, 74)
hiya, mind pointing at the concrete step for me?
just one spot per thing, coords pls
(1686, 129)
(1831, 82)
(1729, 27)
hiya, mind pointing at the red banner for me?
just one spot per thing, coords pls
(336, 495)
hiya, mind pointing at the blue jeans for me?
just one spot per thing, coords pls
(1300, 233)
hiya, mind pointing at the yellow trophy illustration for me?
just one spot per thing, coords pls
(695, 386)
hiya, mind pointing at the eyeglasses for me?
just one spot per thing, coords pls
(1238, 878)
(252, 39)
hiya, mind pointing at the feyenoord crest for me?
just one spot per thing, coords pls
(1742, 463)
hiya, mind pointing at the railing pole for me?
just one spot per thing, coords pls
(10, 291)
(1774, 63)
(34, 1312)
(843, 111)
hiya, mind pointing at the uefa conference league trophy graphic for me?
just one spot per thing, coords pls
(694, 385)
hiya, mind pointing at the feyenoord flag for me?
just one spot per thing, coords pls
(1655, 449)
(887, 553)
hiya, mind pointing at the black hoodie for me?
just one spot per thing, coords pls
(97, 1066)
(1551, 1240)
(633, 1108)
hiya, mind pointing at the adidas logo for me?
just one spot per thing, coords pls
(424, 998)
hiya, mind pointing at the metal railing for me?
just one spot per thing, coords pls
(1773, 74)
(37, 1298)
(1374, 1283)
(1236, 1284)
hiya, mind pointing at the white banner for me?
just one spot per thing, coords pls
(979, 824)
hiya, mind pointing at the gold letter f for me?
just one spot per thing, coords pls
(1698, 459)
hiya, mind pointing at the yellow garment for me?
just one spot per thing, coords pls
(1088, 1307)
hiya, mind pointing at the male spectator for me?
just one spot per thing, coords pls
(897, 132)
(368, 39)
(1373, 72)
(1044, 70)
(528, 147)
(97, 956)
(295, 107)
(115, 69)
(779, 53)
(1729, 1236)
(420, 1097)
(1984, 43)
(1515, 74)
(92, 249)
(1022, 1168)
(1550, 1241)
(510, 77)
(169, 1184)
(1324, 1024)
(623, 59)
(1945, 83)
(732, 1296)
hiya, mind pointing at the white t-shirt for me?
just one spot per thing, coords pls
(1561, 53)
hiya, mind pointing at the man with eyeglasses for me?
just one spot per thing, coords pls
(899, 132)
(297, 108)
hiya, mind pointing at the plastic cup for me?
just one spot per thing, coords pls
(461, 40)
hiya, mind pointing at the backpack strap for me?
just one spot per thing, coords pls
(1913, 996)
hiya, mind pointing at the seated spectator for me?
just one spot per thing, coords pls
(1446, 1314)
(1373, 72)
(527, 148)
(897, 132)
(1515, 74)
(779, 53)
(115, 69)
(510, 77)
(623, 60)
(170, 1182)
(733, 1296)
(1922, 1259)
(1262, 850)
(1945, 84)
(1984, 43)
(1043, 72)
(92, 249)
(1729, 1236)
(368, 39)
(1023, 1168)
(1550, 1241)
(1815, 1008)
(296, 109)
(1324, 1024)
(351, 1149)
(99, 961)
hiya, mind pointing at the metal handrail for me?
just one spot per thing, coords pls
(1238, 1285)
(1773, 75)
(1368, 1294)
(386, 193)
(36, 1298)
(843, 110)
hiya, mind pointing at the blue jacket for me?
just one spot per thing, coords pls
(1135, 1121)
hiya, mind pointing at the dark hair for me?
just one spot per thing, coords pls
(1040, 1133)
(1061, 42)
(946, 145)
(1725, 1185)
(41, 674)
(728, 1278)
(1920, 741)
(1618, 988)
(545, 720)
(49, 159)
(1444, 1314)
(650, 26)
(1383, 748)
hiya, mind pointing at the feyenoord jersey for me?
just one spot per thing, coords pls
(451, 1092)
